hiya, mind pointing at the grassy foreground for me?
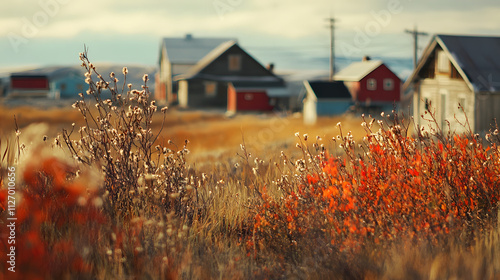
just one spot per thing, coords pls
(111, 197)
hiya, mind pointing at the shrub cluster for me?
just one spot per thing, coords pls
(387, 188)
(141, 176)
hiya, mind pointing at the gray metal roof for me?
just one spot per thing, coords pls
(189, 49)
(196, 70)
(51, 72)
(210, 57)
(357, 70)
(477, 56)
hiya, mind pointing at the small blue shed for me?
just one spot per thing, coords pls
(66, 82)
(325, 98)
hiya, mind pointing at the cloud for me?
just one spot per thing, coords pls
(287, 19)
(297, 25)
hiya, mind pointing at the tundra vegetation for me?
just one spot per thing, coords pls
(109, 198)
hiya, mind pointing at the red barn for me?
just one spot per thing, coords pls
(258, 97)
(29, 84)
(371, 84)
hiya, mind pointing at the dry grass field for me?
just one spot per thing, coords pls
(212, 135)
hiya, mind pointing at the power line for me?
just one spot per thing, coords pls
(415, 35)
(331, 21)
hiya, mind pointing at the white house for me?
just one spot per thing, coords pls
(455, 70)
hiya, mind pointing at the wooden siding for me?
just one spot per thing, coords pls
(19, 83)
(253, 101)
(333, 107)
(197, 98)
(442, 95)
(380, 94)
(487, 111)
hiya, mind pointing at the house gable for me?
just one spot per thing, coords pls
(188, 50)
(475, 59)
(438, 63)
(357, 70)
(371, 83)
(231, 63)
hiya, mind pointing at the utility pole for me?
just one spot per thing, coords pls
(331, 21)
(415, 35)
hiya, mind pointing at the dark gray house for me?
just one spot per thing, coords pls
(177, 57)
(228, 77)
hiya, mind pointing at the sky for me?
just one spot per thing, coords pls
(289, 33)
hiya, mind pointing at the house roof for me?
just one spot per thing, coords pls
(209, 58)
(189, 49)
(60, 73)
(476, 58)
(328, 90)
(51, 72)
(272, 89)
(197, 70)
(357, 71)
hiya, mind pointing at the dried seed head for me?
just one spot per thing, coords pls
(125, 70)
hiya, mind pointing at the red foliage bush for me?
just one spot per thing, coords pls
(391, 186)
(58, 217)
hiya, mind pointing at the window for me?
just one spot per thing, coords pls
(371, 84)
(461, 101)
(210, 88)
(234, 62)
(248, 96)
(454, 73)
(443, 63)
(427, 105)
(388, 84)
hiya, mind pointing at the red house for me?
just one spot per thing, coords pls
(29, 84)
(371, 84)
(258, 97)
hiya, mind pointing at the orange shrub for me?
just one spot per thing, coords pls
(58, 221)
(390, 187)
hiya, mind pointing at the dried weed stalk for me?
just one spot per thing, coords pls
(140, 176)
